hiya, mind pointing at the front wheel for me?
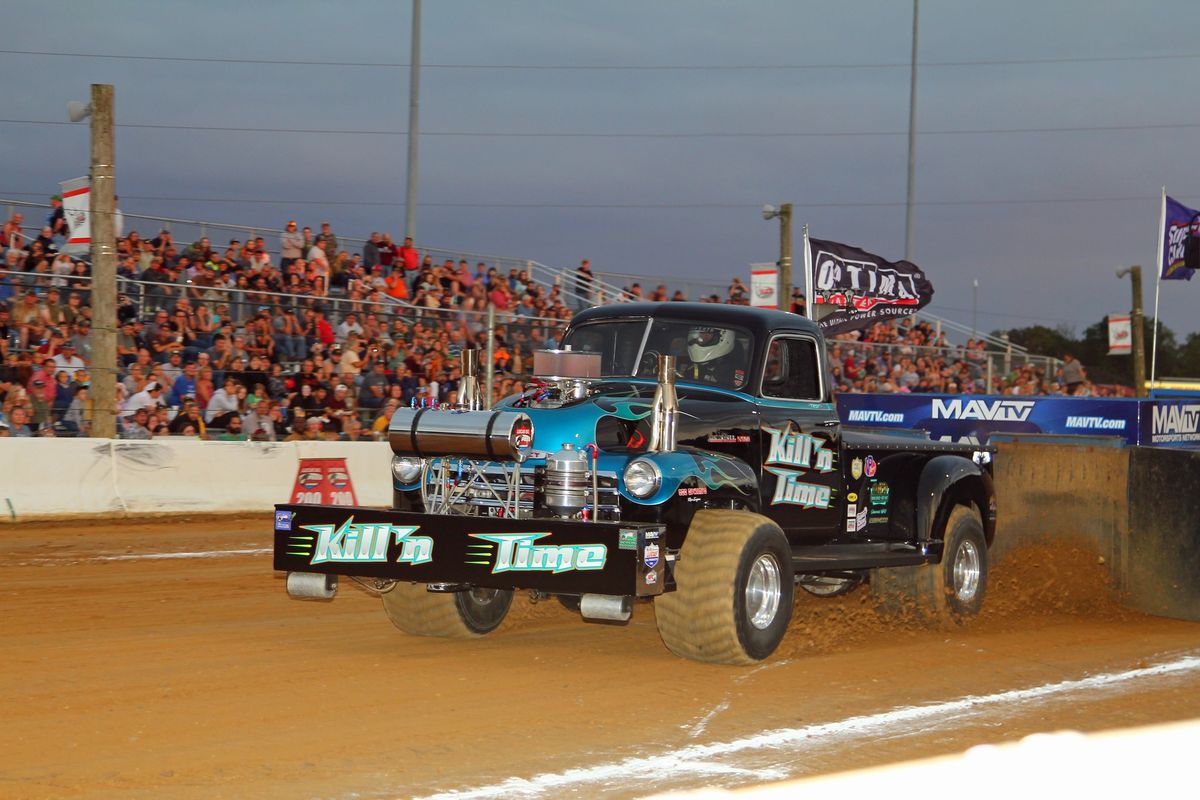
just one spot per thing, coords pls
(456, 615)
(734, 590)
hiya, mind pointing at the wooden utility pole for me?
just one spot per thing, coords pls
(104, 265)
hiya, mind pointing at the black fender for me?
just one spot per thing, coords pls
(947, 481)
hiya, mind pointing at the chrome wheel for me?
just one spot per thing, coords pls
(764, 588)
(483, 597)
(967, 571)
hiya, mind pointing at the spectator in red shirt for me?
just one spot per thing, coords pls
(408, 256)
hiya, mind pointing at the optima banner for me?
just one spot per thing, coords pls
(853, 288)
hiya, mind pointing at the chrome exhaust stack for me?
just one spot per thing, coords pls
(468, 387)
(311, 586)
(609, 607)
(664, 413)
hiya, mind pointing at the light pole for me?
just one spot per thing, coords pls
(414, 105)
(912, 138)
(974, 307)
(101, 209)
(1139, 347)
(784, 212)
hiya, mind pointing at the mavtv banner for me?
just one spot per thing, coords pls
(974, 418)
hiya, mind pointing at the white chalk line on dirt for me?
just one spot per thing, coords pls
(693, 757)
(255, 551)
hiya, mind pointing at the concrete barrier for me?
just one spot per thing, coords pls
(1161, 566)
(1138, 507)
(1061, 492)
(58, 478)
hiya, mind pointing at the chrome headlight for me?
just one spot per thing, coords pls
(406, 469)
(642, 478)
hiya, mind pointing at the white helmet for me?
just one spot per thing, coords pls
(707, 344)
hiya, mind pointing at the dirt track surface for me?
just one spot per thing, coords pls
(130, 674)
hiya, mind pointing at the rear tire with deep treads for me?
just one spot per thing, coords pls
(454, 615)
(734, 590)
(950, 592)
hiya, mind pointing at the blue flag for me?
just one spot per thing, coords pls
(1179, 228)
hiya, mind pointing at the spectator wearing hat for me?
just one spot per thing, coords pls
(185, 384)
(78, 418)
(322, 331)
(172, 369)
(189, 416)
(57, 219)
(149, 397)
(291, 245)
(67, 361)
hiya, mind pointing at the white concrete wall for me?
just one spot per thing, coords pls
(57, 478)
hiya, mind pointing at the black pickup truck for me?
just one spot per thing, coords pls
(685, 453)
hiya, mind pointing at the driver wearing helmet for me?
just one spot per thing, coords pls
(709, 349)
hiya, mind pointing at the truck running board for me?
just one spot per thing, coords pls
(825, 558)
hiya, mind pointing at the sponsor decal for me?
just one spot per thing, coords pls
(871, 415)
(880, 494)
(1095, 423)
(365, 542)
(627, 539)
(851, 525)
(861, 519)
(856, 468)
(651, 578)
(283, 520)
(323, 481)
(851, 509)
(523, 435)
(1177, 422)
(692, 491)
(651, 535)
(869, 467)
(991, 410)
(791, 490)
(729, 438)
(519, 552)
(650, 555)
(794, 449)
(852, 497)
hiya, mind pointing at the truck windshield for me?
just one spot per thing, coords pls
(709, 354)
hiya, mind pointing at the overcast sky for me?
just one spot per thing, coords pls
(819, 90)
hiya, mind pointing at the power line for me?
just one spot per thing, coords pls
(638, 135)
(633, 206)
(618, 67)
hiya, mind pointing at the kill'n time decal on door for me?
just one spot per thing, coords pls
(790, 455)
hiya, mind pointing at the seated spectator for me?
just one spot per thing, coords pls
(223, 405)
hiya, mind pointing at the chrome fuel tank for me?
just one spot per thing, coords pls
(495, 435)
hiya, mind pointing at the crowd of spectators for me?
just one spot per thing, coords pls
(310, 341)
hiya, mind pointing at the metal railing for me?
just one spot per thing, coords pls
(969, 370)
